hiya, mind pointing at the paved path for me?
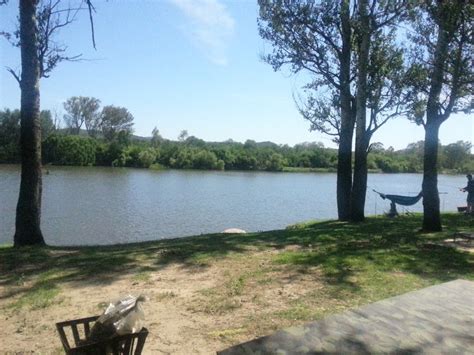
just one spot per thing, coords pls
(435, 320)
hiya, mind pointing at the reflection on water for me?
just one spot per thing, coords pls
(110, 205)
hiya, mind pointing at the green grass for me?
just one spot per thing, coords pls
(362, 262)
(40, 296)
(297, 312)
(142, 277)
(214, 302)
(290, 169)
(236, 286)
(227, 333)
(158, 167)
(223, 298)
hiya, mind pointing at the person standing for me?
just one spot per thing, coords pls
(470, 193)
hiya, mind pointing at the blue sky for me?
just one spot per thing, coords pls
(187, 64)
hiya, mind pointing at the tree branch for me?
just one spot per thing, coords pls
(91, 19)
(15, 75)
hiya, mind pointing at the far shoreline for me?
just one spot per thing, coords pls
(287, 169)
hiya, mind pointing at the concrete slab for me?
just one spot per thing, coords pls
(435, 320)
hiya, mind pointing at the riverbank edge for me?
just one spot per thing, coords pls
(287, 169)
(294, 226)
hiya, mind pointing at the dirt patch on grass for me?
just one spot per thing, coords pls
(195, 310)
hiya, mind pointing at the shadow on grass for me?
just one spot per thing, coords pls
(384, 245)
(338, 248)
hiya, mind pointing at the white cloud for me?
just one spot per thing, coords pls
(210, 26)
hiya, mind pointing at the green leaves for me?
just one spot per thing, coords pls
(69, 150)
(116, 122)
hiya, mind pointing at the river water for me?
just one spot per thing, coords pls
(94, 205)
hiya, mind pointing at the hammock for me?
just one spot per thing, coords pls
(401, 200)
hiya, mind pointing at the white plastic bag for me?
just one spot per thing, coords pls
(132, 322)
(124, 316)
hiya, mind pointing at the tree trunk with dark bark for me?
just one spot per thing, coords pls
(344, 171)
(28, 212)
(344, 161)
(431, 212)
(359, 187)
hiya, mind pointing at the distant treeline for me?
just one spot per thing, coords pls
(118, 147)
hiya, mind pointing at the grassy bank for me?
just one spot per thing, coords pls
(218, 290)
(290, 169)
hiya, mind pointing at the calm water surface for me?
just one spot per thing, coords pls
(110, 205)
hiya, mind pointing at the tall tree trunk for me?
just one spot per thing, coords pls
(344, 161)
(431, 213)
(28, 212)
(359, 187)
(344, 171)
